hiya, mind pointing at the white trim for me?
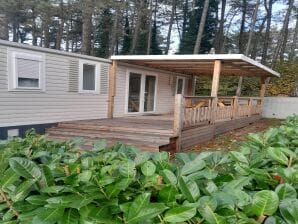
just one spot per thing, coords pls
(96, 80)
(13, 54)
(183, 86)
(142, 91)
(201, 57)
(19, 47)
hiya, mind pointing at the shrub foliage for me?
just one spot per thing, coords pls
(42, 181)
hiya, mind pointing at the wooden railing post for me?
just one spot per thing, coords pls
(112, 89)
(214, 89)
(178, 119)
(235, 107)
(250, 107)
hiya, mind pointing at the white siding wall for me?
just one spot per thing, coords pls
(55, 104)
(280, 107)
(166, 84)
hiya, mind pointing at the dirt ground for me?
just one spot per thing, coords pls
(231, 140)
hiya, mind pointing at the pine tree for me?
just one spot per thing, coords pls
(155, 48)
(191, 29)
(126, 45)
(104, 33)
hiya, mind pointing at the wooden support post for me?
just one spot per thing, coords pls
(264, 81)
(235, 107)
(214, 89)
(238, 91)
(178, 119)
(112, 89)
(250, 105)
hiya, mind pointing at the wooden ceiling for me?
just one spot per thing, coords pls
(231, 65)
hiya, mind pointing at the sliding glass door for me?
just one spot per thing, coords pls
(141, 93)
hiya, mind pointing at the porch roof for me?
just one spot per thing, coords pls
(200, 64)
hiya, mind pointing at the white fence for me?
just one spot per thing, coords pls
(280, 107)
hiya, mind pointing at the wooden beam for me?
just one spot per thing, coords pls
(112, 89)
(214, 89)
(216, 76)
(178, 119)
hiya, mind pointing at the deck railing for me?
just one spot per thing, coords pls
(191, 111)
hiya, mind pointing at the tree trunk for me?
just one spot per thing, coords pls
(150, 26)
(267, 33)
(252, 28)
(242, 27)
(220, 33)
(257, 39)
(15, 31)
(294, 43)
(87, 11)
(286, 30)
(46, 30)
(201, 27)
(3, 27)
(137, 27)
(283, 36)
(61, 27)
(227, 32)
(115, 32)
(185, 17)
(168, 43)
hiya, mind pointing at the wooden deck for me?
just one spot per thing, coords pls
(151, 133)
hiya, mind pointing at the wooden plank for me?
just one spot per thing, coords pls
(112, 89)
(178, 119)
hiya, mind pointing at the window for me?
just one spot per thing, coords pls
(26, 71)
(180, 85)
(89, 77)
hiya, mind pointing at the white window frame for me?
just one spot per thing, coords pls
(97, 76)
(13, 70)
(183, 86)
(142, 91)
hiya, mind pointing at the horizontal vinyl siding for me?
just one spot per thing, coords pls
(120, 94)
(165, 97)
(56, 104)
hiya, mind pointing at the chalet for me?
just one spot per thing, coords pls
(146, 101)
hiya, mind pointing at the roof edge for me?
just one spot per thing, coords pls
(197, 57)
(52, 51)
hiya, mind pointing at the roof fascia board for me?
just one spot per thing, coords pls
(52, 51)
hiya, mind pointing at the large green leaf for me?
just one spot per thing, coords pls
(8, 178)
(22, 190)
(285, 191)
(49, 216)
(127, 169)
(189, 189)
(192, 167)
(70, 216)
(169, 177)
(168, 194)
(180, 214)
(239, 157)
(207, 206)
(265, 203)
(37, 199)
(148, 168)
(25, 168)
(289, 210)
(277, 155)
(141, 209)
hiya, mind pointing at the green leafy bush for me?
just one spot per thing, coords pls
(43, 181)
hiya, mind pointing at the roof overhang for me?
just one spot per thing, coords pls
(200, 64)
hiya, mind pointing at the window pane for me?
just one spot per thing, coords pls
(134, 92)
(28, 68)
(179, 86)
(28, 83)
(149, 93)
(88, 77)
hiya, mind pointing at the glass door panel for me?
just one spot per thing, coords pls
(134, 92)
(180, 86)
(149, 95)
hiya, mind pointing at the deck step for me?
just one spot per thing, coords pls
(108, 134)
(143, 145)
(129, 128)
